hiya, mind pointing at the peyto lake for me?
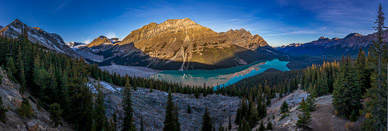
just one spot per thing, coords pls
(221, 77)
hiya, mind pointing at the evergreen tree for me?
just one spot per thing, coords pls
(128, 111)
(376, 102)
(100, 118)
(113, 123)
(347, 94)
(284, 107)
(261, 128)
(311, 103)
(304, 119)
(3, 115)
(82, 108)
(56, 112)
(22, 77)
(220, 128)
(11, 69)
(188, 109)
(176, 118)
(171, 118)
(25, 110)
(268, 101)
(241, 111)
(230, 123)
(322, 83)
(269, 125)
(253, 115)
(206, 121)
(261, 107)
(363, 74)
(1, 78)
(141, 124)
(63, 94)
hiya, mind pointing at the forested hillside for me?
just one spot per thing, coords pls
(358, 87)
(60, 81)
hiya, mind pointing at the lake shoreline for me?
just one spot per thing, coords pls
(217, 78)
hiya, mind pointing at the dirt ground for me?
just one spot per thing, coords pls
(324, 118)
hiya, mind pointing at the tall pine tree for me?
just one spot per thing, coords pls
(304, 119)
(347, 93)
(99, 108)
(128, 111)
(206, 121)
(3, 110)
(171, 121)
(376, 102)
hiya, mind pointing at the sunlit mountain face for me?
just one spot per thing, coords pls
(193, 65)
(181, 44)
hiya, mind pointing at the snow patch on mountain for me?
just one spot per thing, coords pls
(76, 45)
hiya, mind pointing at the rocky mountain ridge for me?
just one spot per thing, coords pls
(36, 35)
(182, 44)
(335, 47)
(175, 34)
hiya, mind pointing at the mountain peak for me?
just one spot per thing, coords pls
(17, 22)
(99, 41)
(36, 35)
(179, 22)
(102, 37)
(322, 38)
(353, 35)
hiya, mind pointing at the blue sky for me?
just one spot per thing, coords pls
(279, 22)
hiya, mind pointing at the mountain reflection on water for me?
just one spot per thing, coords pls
(221, 77)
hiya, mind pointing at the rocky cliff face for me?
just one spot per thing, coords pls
(12, 99)
(335, 47)
(178, 39)
(36, 35)
(183, 44)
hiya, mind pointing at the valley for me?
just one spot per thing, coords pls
(146, 66)
(220, 77)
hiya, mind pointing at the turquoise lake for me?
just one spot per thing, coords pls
(221, 77)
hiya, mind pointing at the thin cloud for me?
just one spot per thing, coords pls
(87, 41)
(63, 4)
(111, 35)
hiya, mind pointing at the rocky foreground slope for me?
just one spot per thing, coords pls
(151, 106)
(12, 99)
(182, 44)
